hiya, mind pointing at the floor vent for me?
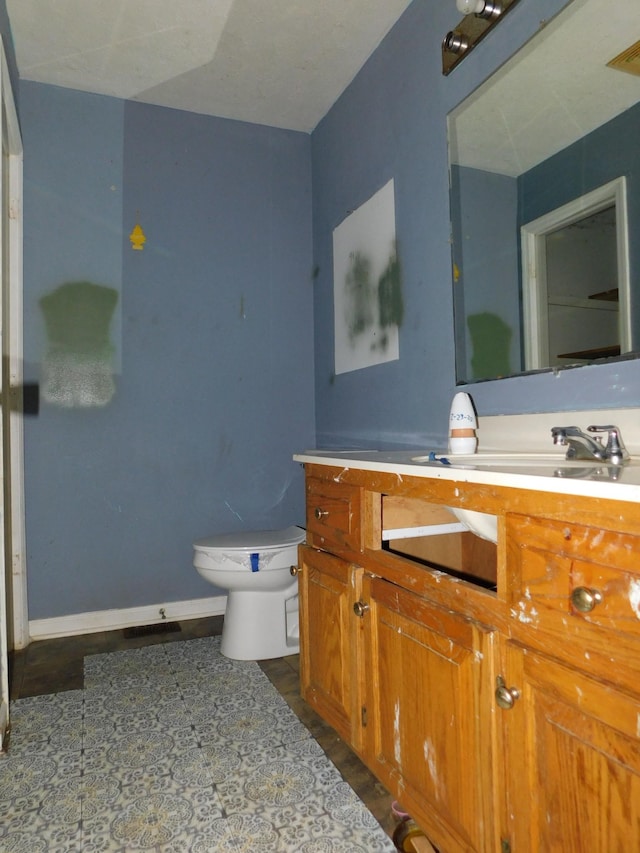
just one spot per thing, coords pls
(149, 630)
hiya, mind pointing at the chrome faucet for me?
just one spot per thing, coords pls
(583, 446)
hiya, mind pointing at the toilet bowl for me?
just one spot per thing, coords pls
(261, 617)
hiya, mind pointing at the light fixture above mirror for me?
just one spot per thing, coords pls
(479, 17)
(482, 8)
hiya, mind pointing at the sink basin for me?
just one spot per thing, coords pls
(481, 523)
(556, 465)
(510, 460)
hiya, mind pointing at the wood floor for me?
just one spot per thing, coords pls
(52, 666)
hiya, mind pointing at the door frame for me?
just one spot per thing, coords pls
(534, 266)
(14, 353)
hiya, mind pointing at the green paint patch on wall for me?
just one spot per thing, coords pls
(78, 365)
(491, 342)
(359, 295)
(373, 306)
(390, 302)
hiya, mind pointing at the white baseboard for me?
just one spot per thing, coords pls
(113, 620)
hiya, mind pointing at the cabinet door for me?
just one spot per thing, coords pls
(429, 703)
(572, 759)
(329, 650)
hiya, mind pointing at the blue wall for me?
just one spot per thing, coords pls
(213, 391)
(383, 127)
(215, 385)
(391, 123)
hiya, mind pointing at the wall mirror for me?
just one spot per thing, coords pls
(544, 167)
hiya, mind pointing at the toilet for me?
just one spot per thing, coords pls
(261, 618)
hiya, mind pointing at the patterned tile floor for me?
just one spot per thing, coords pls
(174, 748)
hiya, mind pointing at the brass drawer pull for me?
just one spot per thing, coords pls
(505, 696)
(585, 599)
(360, 608)
(294, 570)
(321, 513)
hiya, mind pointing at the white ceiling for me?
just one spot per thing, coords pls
(281, 63)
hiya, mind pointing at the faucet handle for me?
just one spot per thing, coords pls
(615, 450)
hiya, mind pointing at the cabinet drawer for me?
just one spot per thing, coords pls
(583, 573)
(333, 514)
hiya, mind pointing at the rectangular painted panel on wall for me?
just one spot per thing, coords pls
(367, 286)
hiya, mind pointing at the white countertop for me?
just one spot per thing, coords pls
(544, 472)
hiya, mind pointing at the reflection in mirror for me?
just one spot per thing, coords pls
(548, 142)
(575, 281)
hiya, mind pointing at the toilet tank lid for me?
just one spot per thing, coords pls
(253, 540)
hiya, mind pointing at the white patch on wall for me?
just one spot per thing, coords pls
(366, 284)
(77, 369)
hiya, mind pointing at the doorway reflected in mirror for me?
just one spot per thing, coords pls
(575, 280)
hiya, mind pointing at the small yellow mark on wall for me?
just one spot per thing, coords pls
(137, 238)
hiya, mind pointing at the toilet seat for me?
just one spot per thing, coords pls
(251, 541)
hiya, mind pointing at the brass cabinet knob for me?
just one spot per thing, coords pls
(505, 696)
(360, 608)
(321, 513)
(294, 570)
(585, 599)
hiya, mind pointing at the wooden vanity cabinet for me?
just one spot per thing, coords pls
(504, 719)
